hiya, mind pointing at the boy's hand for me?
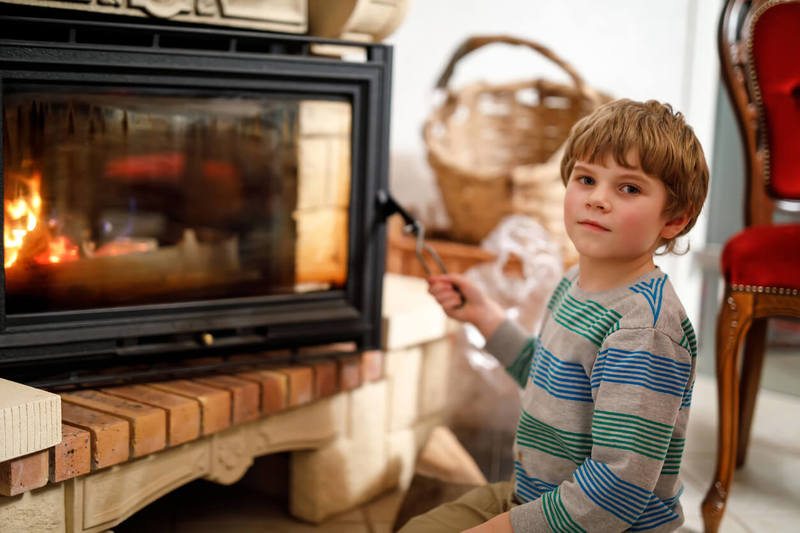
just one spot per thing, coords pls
(477, 309)
(499, 524)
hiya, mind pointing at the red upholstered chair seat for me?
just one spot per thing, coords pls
(764, 256)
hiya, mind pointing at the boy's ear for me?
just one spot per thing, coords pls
(675, 225)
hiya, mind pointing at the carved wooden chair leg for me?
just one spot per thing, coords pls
(732, 325)
(752, 365)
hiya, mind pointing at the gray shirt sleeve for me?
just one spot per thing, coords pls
(507, 342)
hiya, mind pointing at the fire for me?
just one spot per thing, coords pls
(21, 216)
(60, 250)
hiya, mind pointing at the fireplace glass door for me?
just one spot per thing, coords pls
(127, 198)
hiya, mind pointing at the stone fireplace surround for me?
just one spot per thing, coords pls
(353, 429)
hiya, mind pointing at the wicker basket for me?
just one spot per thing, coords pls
(481, 133)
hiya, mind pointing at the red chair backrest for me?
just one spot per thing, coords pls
(760, 61)
(776, 60)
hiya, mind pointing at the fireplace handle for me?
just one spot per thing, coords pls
(388, 206)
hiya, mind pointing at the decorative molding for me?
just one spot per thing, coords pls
(278, 11)
(106, 498)
(358, 20)
(289, 16)
(163, 8)
(307, 427)
(231, 455)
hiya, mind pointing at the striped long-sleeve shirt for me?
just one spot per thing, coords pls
(608, 383)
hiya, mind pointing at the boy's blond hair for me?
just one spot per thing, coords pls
(666, 145)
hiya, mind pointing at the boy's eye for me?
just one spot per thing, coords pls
(630, 189)
(585, 180)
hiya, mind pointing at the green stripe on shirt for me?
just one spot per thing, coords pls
(632, 433)
(558, 293)
(568, 445)
(588, 319)
(689, 340)
(557, 516)
(672, 462)
(521, 367)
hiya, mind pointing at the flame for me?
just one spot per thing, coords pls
(21, 216)
(60, 250)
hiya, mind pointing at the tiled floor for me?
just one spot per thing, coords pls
(766, 491)
(765, 496)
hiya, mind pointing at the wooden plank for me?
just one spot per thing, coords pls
(110, 434)
(215, 404)
(71, 457)
(245, 395)
(148, 424)
(183, 414)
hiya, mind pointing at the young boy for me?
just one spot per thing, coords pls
(608, 380)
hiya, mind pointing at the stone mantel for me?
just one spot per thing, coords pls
(290, 16)
(356, 20)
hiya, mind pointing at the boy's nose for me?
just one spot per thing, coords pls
(598, 199)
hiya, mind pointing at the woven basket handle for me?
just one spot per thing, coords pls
(473, 43)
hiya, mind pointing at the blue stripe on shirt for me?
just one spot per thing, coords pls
(561, 379)
(624, 500)
(657, 513)
(643, 369)
(529, 488)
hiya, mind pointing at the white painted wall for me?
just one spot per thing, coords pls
(628, 48)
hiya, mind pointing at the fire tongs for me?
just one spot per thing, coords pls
(389, 206)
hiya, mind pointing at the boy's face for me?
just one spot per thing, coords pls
(616, 213)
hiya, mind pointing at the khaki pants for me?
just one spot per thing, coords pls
(472, 509)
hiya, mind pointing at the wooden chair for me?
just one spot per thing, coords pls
(759, 48)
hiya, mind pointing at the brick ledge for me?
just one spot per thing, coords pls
(312, 413)
(111, 426)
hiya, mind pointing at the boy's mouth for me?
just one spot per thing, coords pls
(591, 224)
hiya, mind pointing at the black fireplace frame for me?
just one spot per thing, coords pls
(48, 46)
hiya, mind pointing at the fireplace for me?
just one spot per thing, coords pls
(178, 197)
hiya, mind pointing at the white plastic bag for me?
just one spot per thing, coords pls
(524, 298)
